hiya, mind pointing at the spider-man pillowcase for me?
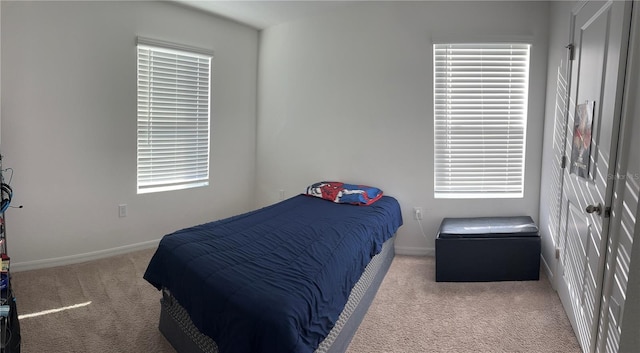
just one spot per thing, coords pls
(345, 193)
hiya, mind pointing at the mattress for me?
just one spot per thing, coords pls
(275, 279)
(179, 330)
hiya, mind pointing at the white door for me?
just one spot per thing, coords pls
(600, 39)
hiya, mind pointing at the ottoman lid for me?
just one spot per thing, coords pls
(488, 227)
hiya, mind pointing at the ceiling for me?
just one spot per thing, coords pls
(265, 13)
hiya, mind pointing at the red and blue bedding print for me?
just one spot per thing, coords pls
(345, 193)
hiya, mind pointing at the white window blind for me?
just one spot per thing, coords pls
(173, 118)
(480, 114)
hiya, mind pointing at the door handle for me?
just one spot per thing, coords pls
(597, 209)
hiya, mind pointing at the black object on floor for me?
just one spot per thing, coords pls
(10, 328)
(487, 249)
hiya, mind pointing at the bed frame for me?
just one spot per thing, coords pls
(180, 331)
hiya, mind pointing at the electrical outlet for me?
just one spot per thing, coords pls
(417, 213)
(122, 210)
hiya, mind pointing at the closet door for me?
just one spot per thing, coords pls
(600, 39)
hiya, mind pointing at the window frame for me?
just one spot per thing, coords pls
(182, 131)
(452, 176)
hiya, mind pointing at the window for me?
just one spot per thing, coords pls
(173, 116)
(480, 118)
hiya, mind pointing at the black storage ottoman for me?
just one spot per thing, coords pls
(487, 249)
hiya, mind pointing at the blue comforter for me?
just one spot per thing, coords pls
(276, 279)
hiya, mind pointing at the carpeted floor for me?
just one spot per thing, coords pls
(411, 313)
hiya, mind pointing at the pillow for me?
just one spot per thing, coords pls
(345, 193)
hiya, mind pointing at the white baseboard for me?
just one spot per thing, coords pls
(73, 259)
(547, 271)
(413, 251)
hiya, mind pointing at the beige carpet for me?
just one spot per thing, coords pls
(411, 313)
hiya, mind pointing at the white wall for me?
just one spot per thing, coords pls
(69, 125)
(349, 96)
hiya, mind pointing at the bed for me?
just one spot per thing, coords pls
(296, 276)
